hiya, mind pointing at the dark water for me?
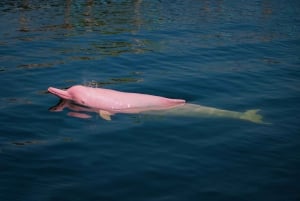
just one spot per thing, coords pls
(235, 55)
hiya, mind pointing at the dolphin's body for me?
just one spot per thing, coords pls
(108, 102)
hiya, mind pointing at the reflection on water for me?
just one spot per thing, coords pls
(115, 17)
(57, 23)
(38, 65)
(32, 142)
(119, 80)
(116, 27)
(14, 100)
(101, 16)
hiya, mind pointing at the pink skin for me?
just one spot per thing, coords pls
(113, 101)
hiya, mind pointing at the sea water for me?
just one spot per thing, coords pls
(233, 55)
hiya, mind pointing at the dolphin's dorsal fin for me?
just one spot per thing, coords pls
(105, 115)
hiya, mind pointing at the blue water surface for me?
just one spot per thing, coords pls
(234, 55)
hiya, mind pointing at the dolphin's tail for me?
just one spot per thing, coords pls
(252, 115)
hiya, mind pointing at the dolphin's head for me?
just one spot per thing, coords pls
(76, 93)
(79, 94)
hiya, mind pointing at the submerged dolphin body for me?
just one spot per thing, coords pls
(108, 102)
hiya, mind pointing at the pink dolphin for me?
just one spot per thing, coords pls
(109, 102)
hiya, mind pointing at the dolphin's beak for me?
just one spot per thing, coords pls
(60, 93)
